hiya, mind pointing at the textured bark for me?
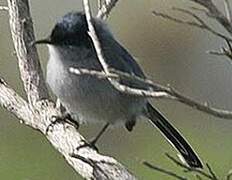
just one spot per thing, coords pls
(42, 114)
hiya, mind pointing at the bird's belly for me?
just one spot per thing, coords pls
(94, 100)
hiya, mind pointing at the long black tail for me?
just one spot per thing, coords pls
(173, 136)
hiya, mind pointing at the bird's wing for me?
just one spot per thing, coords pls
(117, 57)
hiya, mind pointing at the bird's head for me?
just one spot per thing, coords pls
(71, 29)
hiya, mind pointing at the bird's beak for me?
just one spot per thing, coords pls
(43, 41)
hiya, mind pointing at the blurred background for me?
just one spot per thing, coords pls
(169, 54)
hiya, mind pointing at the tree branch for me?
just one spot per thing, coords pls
(23, 35)
(105, 8)
(155, 91)
(63, 136)
(215, 13)
(97, 46)
(12, 102)
(164, 171)
(224, 51)
(199, 173)
(199, 24)
(42, 114)
(211, 11)
(165, 92)
(228, 10)
(3, 8)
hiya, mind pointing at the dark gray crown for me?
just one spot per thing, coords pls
(71, 29)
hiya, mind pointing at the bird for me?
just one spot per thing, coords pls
(89, 98)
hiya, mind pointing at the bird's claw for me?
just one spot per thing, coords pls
(65, 119)
(91, 144)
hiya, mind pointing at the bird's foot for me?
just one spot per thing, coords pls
(65, 119)
(91, 144)
(93, 141)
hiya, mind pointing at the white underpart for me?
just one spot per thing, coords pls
(87, 97)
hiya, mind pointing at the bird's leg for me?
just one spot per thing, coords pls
(94, 140)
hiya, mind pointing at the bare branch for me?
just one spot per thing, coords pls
(214, 13)
(223, 52)
(191, 23)
(199, 24)
(86, 161)
(100, 56)
(44, 115)
(164, 171)
(12, 102)
(217, 52)
(199, 173)
(99, 74)
(94, 37)
(63, 136)
(162, 91)
(99, 4)
(189, 169)
(4, 8)
(211, 172)
(202, 23)
(201, 10)
(156, 90)
(106, 8)
(23, 35)
(228, 10)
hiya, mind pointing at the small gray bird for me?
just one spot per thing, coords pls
(91, 99)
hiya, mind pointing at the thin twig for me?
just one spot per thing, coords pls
(201, 10)
(216, 52)
(99, 4)
(98, 49)
(211, 171)
(106, 8)
(203, 24)
(164, 171)
(223, 51)
(215, 13)
(199, 24)
(199, 173)
(94, 37)
(229, 45)
(168, 92)
(189, 169)
(156, 90)
(228, 10)
(4, 8)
